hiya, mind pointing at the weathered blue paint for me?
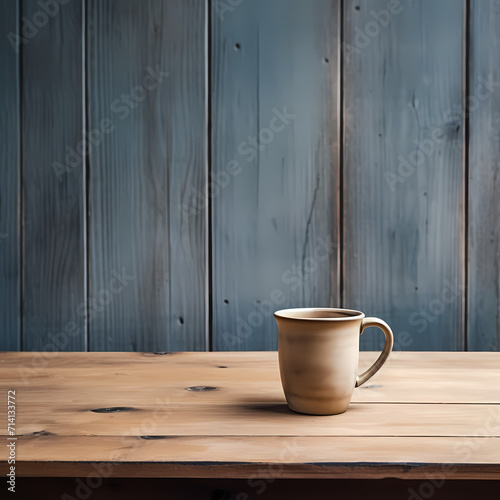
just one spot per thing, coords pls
(54, 205)
(146, 74)
(484, 172)
(404, 225)
(10, 249)
(271, 60)
(277, 219)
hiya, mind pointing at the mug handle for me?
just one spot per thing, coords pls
(389, 342)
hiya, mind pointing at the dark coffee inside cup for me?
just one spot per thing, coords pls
(318, 313)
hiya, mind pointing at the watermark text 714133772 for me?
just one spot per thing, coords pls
(11, 440)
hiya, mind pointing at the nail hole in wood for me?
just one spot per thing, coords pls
(357, 7)
(181, 320)
(201, 388)
(326, 60)
(237, 46)
(42, 433)
(226, 301)
(153, 437)
(113, 409)
(222, 366)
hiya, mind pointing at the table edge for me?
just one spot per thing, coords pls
(243, 470)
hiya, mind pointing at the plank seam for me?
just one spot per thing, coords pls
(224, 436)
(86, 176)
(465, 168)
(340, 153)
(209, 228)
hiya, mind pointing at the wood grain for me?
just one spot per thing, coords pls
(69, 417)
(404, 225)
(275, 221)
(143, 174)
(10, 244)
(455, 378)
(54, 199)
(80, 410)
(300, 457)
(282, 449)
(484, 164)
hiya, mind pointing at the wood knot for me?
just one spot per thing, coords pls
(113, 409)
(42, 433)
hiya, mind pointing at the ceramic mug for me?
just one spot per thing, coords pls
(318, 350)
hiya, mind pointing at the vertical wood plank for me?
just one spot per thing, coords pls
(275, 230)
(54, 222)
(484, 170)
(147, 252)
(10, 248)
(403, 190)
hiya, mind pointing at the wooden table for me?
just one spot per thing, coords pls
(223, 415)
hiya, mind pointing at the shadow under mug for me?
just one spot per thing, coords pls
(318, 350)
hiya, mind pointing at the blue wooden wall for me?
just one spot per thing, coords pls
(173, 171)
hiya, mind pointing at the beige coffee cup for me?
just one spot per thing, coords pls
(318, 351)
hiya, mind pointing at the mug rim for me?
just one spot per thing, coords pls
(285, 313)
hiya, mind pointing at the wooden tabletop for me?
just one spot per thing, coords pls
(222, 414)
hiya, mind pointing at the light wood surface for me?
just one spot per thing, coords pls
(419, 413)
(454, 377)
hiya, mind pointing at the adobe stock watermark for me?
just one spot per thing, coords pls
(249, 150)
(372, 28)
(31, 27)
(465, 449)
(294, 277)
(223, 6)
(427, 315)
(146, 429)
(88, 309)
(120, 108)
(269, 473)
(427, 146)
